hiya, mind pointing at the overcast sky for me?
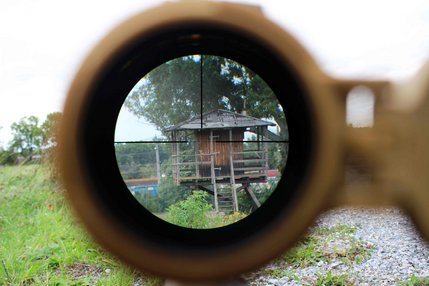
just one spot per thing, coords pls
(42, 42)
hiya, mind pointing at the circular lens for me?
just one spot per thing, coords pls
(201, 141)
(242, 60)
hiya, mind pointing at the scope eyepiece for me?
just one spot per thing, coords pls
(312, 174)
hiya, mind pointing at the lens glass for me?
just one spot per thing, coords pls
(201, 141)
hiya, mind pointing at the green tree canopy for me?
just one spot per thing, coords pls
(171, 93)
(49, 128)
(30, 138)
(27, 137)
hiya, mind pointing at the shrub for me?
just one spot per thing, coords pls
(220, 219)
(191, 212)
(233, 218)
(7, 157)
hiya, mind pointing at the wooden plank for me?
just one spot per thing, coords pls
(247, 152)
(212, 171)
(176, 174)
(251, 169)
(218, 178)
(192, 163)
(191, 155)
(265, 145)
(196, 166)
(141, 180)
(251, 161)
(232, 179)
(251, 176)
(175, 156)
(194, 178)
(250, 192)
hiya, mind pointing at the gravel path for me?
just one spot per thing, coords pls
(398, 251)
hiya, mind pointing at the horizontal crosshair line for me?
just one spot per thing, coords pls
(184, 141)
(255, 141)
(137, 142)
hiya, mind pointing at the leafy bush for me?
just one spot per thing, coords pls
(191, 212)
(219, 219)
(169, 193)
(7, 157)
(232, 218)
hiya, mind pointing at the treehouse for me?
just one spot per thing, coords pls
(211, 150)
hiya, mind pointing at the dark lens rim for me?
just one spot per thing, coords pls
(112, 87)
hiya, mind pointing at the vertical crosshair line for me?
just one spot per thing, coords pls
(201, 89)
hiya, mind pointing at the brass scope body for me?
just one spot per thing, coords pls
(320, 142)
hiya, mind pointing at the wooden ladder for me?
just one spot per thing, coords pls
(225, 200)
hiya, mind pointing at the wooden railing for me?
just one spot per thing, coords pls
(251, 162)
(187, 167)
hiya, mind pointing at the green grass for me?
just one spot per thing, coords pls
(40, 242)
(328, 244)
(333, 280)
(321, 245)
(416, 281)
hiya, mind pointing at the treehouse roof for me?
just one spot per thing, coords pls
(218, 119)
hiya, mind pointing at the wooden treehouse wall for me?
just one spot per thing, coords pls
(223, 142)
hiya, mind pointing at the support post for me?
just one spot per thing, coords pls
(252, 195)
(232, 173)
(258, 138)
(212, 171)
(175, 158)
(265, 144)
(197, 157)
(158, 164)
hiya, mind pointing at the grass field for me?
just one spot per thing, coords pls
(41, 244)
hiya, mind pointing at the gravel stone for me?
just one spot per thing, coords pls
(399, 251)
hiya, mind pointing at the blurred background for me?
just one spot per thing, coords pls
(43, 42)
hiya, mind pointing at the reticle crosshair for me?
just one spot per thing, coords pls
(219, 129)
